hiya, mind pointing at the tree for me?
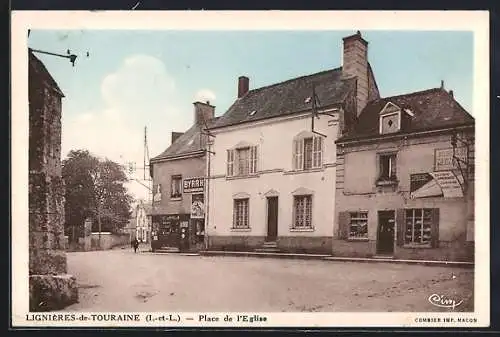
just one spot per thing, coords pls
(94, 189)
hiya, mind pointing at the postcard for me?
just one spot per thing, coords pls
(250, 169)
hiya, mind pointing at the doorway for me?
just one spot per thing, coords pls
(272, 218)
(385, 234)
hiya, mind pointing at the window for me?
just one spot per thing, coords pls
(358, 226)
(418, 226)
(240, 213)
(387, 167)
(302, 208)
(308, 153)
(176, 187)
(242, 161)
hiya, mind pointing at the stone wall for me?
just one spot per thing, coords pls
(49, 285)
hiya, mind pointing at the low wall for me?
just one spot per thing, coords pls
(108, 241)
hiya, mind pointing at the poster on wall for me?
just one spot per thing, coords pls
(443, 158)
(197, 206)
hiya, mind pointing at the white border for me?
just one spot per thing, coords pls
(476, 21)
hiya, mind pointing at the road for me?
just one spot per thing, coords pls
(119, 280)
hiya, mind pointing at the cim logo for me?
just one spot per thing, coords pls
(443, 302)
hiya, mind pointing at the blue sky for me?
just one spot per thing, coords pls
(133, 79)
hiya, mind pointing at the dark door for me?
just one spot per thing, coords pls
(272, 218)
(385, 240)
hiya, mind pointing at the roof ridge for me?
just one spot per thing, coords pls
(294, 79)
(414, 93)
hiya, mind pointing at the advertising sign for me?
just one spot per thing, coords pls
(443, 158)
(197, 207)
(193, 185)
(445, 184)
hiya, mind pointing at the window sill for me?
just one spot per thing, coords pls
(248, 176)
(386, 182)
(302, 229)
(241, 229)
(312, 170)
(358, 239)
(175, 198)
(412, 246)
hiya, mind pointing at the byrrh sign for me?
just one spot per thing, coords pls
(193, 185)
(443, 159)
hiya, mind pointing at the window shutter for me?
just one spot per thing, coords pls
(253, 159)
(344, 222)
(401, 226)
(230, 163)
(317, 151)
(300, 154)
(435, 228)
(295, 153)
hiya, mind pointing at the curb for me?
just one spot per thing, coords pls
(338, 259)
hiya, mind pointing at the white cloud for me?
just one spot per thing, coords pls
(133, 96)
(204, 95)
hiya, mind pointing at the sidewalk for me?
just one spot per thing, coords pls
(337, 258)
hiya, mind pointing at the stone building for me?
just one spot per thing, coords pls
(50, 287)
(405, 180)
(272, 178)
(178, 207)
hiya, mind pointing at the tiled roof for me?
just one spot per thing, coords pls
(191, 141)
(38, 70)
(287, 97)
(433, 109)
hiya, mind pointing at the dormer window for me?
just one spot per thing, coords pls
(390, 119)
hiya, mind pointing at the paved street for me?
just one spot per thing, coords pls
(119, 280)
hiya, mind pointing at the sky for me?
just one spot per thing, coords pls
(135, 79)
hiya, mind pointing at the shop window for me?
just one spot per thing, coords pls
(176, 191)
(302, 212)
(358, 225)
(387, 164)
(420, 227)
(240, 213)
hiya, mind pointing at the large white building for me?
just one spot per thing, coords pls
(271, 172)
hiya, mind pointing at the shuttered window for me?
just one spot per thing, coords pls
(308, 153)
(242, 161)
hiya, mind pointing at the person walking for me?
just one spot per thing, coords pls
(136, 245)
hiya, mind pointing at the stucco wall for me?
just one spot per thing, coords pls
(275, 176)
(162, 172)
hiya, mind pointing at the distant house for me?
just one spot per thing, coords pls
(405, 180)
(143, 222)
(179, 173)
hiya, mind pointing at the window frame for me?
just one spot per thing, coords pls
(299, 153)
(233, 161)
(173, 178)
(235, 224)
(389, 178)
(294, 226)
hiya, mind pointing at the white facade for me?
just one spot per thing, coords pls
(275, 175)
(143, 228)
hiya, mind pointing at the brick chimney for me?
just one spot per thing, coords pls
(355, 64)
(176, 135)
(203, 112)
(243, 85)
